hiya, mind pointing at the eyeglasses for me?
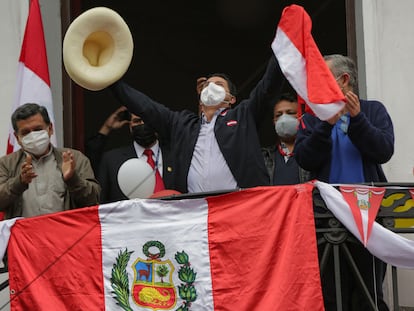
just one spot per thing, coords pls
(339, 77)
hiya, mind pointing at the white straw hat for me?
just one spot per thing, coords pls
(97, 48)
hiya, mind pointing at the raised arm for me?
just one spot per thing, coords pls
(372, 132)
(266, 92)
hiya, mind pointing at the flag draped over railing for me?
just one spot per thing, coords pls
(248, 250)
(388, 246)
(254, 249)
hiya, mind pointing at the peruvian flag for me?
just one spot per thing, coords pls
(388, 246)
(33, 83)
(364, 202)
(249, 250)
(303, 65)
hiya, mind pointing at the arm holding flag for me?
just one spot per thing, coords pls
(372, 132)
(266, 92)
(313, 143)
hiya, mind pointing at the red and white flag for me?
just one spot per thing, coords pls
(249, 250)
(33, 83)
(381, 242)
(303, 65)
(363, 200)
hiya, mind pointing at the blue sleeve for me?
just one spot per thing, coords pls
(372, 132)
(313, 143)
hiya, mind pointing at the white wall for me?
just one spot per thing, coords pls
(386, 45)
(13, 15)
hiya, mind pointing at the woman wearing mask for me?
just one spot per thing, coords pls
(279, 159)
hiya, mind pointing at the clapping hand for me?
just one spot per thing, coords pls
(68, 165)
(27, 173)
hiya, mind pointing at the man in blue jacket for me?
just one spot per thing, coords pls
(349, 148)
(219, 149)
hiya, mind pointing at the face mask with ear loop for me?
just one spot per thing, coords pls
(286, 126)
(213, 95)
(36, 142)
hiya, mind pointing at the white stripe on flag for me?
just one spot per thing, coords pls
(293, 66)
(5, 227)
(179, 223)
(245, 242)
(303, 65)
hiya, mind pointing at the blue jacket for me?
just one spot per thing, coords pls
(371, 131)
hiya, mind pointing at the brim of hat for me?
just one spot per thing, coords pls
(80, 70)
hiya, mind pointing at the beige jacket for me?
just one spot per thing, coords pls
(81, 190)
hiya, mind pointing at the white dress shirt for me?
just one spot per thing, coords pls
(208, 169)
(156, 151)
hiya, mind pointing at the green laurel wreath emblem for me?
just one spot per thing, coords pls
(157, 244)
(186, 290)
(120, 282)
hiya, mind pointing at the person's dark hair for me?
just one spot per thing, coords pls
(287, 96)
(26, 111)
(232, 86)
(343, 64)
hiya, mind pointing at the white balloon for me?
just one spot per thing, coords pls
(136, 179)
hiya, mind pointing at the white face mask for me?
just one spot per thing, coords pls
(286, 125)
(212, 94)
(36, 142)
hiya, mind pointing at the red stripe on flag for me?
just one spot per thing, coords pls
(33, 52)
(9, 146)
(39, 279)
(263, 251)
(322, 87)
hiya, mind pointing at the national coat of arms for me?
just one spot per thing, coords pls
(152, 285)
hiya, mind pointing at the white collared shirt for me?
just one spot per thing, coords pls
(208, 169)
(156, 154)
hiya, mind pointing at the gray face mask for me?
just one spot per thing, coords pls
(286, 126)
(36, 142)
